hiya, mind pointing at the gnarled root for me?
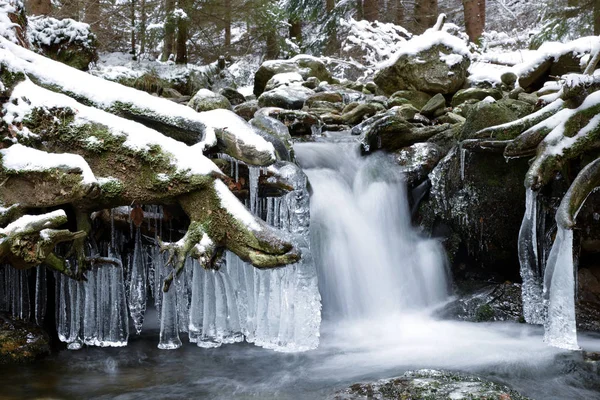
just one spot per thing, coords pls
(586, 181)
(30, 240)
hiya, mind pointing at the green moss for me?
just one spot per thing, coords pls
(484, 313)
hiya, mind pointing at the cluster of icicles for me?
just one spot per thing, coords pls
(548, 278)
(278, 309)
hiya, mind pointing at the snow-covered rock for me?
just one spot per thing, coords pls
(304, 65)
(206, 100)
(435, 62)
(288, 97)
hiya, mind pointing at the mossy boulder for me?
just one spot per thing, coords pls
(246, 110)
(434, 107)
(206, 100)
(484, 115)
(299, 123)
(414, 97)
(475, 93)
(431, 384)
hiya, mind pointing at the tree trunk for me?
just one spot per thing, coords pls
(39, 7)
(359, 10)
(473, 21)
(132, 19)
(170, 25)
(399, 13)
(371, 10)
(295, 31)
(227, 18)
(596, 17)
(182, 36)
(92, 14)
(481, 15)
(329, 5)
(272, 45)
(143, 23)
(70, 9)
(426, 12)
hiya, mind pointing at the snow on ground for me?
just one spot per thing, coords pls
(6, 26)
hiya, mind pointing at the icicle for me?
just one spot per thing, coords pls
(559, 289)
(197, 303)
(75, 315)
(183, 299)
(40, 295)
(237, 170)
(119, 323)
(463, 153)
(253, 175)
(138, 284)
(169, 327)
(90, 307)
(233, 332)
(261, 284)
(533, 307)
(209, 330)
(4, 289)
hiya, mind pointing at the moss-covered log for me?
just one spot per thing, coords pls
(586, 181)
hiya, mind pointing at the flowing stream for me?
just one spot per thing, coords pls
(379, 280)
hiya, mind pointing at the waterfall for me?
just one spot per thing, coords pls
(372, 262)
(533, 305)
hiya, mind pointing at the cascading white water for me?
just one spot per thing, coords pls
(372, 263)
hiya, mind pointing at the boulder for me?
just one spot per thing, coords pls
(430, 384)
(434, 62)
(284, 79)
(246, 110)
(299, 123)
(304, 65)
(330, 97)
(475, 93)
(287, 97)
(206, 100)
(485, 114)
(418, 160)
(414, 97)
(360, 112)
(278, 130)
(435, 106)
(234, 97)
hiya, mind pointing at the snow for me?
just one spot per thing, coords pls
(236, 125)
(138, 136)
(25, 220)
(106, 94)
(426, 41)
(234, 206)
(285, 78)
(42, 30)
(6, 26)
(21, 158)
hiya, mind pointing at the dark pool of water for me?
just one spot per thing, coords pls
(350, 352)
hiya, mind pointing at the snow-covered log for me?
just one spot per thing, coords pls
(73, 139)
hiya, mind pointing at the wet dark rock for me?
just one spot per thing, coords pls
(451, 118)
(275, 129)
(234, 97)
(477, 199)
(430, 384)
(485, 302)
(417, 161)
(21, 341)
(287, 97)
